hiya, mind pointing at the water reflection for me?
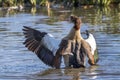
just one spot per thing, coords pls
(95, 17)
(52, 74)
(67, 74)
(33, 10)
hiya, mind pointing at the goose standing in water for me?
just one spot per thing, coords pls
(72, 47)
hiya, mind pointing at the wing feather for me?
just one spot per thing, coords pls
(92, 43)
(35, 42)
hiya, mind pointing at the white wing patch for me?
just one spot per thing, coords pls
(92, 43)
(51, 43)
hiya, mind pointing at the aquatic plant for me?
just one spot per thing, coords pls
(103, 2)
(8, 3)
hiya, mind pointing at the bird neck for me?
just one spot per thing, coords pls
(74, 34)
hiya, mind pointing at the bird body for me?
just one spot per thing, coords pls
(72, 47)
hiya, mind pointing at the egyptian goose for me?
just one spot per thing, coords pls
(72, 47)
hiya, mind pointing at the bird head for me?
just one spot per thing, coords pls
(77, 22)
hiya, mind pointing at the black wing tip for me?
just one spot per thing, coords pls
(26, 27)
(87, 33)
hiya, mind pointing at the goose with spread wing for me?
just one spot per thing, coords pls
(72, 47)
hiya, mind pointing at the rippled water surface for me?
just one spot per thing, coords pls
(17, 63)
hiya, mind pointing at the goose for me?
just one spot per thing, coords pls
(73, 48)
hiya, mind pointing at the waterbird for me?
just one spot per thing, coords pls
(73, 48)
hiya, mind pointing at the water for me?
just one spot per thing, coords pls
(17, 63)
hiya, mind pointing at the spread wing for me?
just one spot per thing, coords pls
(42, 43)
(92, 43)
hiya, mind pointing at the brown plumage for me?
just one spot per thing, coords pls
(72, 47)
(77, 46)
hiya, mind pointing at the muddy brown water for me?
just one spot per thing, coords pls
(17, 63)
